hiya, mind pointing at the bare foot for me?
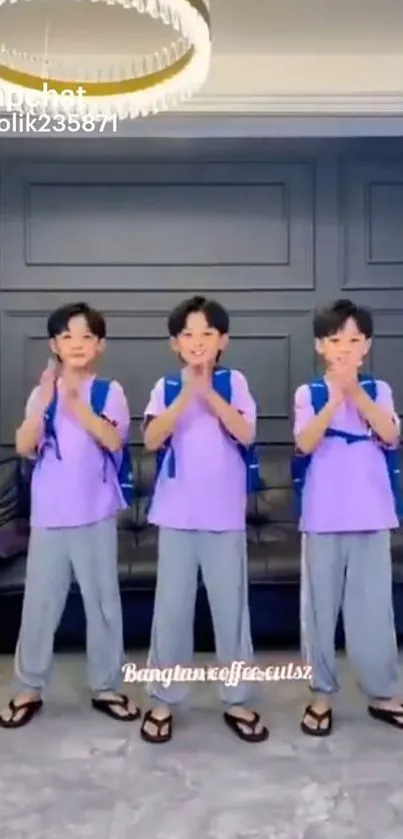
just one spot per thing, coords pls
(389, 705)
(240, 713)
(18, 708)
(317, 715)
(118, 706)
(246, 724)
(157, 725)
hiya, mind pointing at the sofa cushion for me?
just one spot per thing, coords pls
(272, 535)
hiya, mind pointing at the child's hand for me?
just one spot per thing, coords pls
(200, 379)
(47, 384)
(344, 374)
(336, 394)
(70, 393)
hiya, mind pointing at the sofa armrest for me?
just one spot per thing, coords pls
(9, 490)
(14, 516)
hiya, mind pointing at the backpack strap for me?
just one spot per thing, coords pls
(300, 463)
(98, 398)
(369, 384)
(124, 471)
(172, 389)
(99, 395)
(49, 428)
(222, 383)
(319, 393)
(223, 386)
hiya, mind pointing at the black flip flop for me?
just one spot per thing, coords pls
(319, 718)
(387, 715)
(238, 724)
(29, 709)
(159, 725)
(107, 705)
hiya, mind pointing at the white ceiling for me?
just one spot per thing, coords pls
(265, 27)
(302, 26)
(269, 56)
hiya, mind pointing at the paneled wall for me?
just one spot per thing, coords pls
(271, 234)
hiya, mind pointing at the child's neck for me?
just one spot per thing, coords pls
(210, 367)
(78, 375)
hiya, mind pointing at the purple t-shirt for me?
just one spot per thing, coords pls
(347, 488)
(72, 492)
(208, 491)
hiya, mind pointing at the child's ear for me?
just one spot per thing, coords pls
(55, 354)
(224, 341)
(101, 346)
(173, 343)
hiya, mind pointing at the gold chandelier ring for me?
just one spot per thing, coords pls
(155, 81)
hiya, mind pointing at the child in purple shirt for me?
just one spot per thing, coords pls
(75, 498)
(348, 511)
(200, 513)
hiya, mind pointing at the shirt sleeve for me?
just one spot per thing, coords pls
(33, 403)
(242, 398)
(156, 404)
(117, 410)
(303, 410)
(384, 398)
(32, 406)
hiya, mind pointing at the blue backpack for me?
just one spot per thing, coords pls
(99, 395)
(300, 462)
(222, 386)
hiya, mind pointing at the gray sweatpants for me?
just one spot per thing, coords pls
(90, 553)
(352, 572)
(223, 561)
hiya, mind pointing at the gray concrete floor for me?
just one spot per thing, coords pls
(74, 773)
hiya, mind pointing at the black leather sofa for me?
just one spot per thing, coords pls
(273, 544)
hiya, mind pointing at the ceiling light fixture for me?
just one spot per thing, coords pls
(43, 82)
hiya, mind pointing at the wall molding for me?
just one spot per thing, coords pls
(218, 124)
(270, 87)
(343, 103)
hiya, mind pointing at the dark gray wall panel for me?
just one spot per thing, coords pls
(387, 352)
(271, 235)
(372, 212)
(219, 225)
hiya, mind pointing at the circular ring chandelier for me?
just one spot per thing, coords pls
(41, 82)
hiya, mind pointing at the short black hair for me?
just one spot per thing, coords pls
(333, 319)
(216, 316)
(59, 320)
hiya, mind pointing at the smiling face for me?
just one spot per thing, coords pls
(77, 347)
(199, 343)
(347, 346)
